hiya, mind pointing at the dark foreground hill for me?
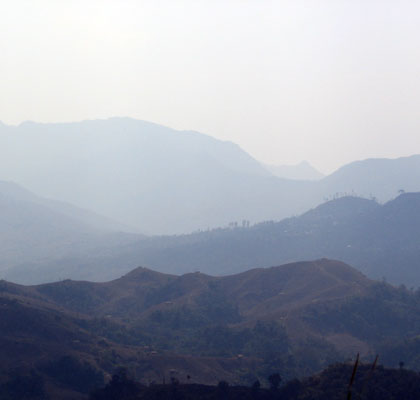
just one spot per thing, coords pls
(382, 241)
(332, 384)
(294, 319)
(48, 352)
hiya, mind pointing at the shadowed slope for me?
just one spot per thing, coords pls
(379, 240)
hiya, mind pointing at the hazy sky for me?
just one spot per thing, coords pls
(326, 81)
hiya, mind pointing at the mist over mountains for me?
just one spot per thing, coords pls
(227, 206)
(150, 177)
(33, 229)
(162, 181)
(302, 171)
(207, 304)
(155, 179)
(379, 240)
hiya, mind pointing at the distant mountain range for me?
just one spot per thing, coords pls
(302, 171)
(162, 181)
(233, 320)
(293, 319)
(37, 229)
(380, 240)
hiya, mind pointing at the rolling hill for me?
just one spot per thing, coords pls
(295, 318)
(50, 352)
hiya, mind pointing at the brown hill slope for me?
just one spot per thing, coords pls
(270, 290)
(64, 353)
(278, 293)
(295, 318)
(257, 292)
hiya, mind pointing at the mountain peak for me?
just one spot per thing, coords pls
(301, 171)
(145, 275)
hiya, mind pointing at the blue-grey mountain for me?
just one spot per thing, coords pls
(302, 171)
(382, 241)
(34, 229)
(162, 181)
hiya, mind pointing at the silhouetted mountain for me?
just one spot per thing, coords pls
(160, 180)
(379, 240)
(302, 171)
(370, 383)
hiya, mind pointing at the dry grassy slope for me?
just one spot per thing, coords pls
(280, 293)
(259, 293)
(34, 327)
(121, 297)
(276, 290)
(283, 293)
(35, 332)
(44, 322)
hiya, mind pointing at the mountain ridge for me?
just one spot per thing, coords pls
(277, 319)
(36, 228)
(300, 171)
(380, 240)
(163, 180)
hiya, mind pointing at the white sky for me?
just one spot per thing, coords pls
(328, 81)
